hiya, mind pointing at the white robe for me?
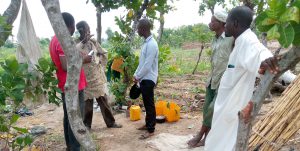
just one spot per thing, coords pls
(235, 91)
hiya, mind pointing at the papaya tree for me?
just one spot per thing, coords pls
(281, 21)
(7, 19)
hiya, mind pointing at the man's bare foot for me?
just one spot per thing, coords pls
(194, 141)
(142, 128)
(146, 135)
(201, 143)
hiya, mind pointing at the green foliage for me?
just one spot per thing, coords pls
(5, 29)
(118, 88)
(9, 44)
(184, 61)
(190, 33)
(16, 138)
(164, 55)
(281, 21)
(209, 4)
(16, 82)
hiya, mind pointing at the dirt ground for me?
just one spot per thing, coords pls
(181, 89)
(126, 138)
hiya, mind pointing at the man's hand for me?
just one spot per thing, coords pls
(246, 112)
(270, 64)
(135, 80)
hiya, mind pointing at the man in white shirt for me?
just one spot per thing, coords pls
(146, 75)
(237, 83)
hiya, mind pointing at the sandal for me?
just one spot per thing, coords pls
(146, 135)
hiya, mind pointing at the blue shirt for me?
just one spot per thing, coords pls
(148, 61)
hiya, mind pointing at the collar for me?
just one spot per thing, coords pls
(147, 39)
(241, 37)
(223, 35)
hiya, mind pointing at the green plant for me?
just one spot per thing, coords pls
(16, 83)
(15, 138)
(281, 21)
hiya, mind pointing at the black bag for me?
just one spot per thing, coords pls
(135, 92)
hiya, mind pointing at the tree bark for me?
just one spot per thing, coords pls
(161, 26)
(288, 60)
(10, 15)
(74, 62)
(99, 23)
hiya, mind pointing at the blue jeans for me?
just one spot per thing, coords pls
(71, 142)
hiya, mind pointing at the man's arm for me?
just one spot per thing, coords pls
(270, 64)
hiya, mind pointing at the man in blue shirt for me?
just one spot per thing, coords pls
(146, 75)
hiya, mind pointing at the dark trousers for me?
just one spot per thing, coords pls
(105, 110)
(147, 90)
(71, 142)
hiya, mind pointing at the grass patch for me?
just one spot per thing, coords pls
(184, 61)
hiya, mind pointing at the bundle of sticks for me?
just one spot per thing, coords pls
(281, 123)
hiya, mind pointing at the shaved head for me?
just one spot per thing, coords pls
(144, 27)
(243, 15)
(238, 20)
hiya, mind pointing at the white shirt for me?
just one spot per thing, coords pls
(148, 61)
(235, 91)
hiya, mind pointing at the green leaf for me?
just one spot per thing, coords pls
(291, 14)
(3, 128)
(259, 20)
(287, 34)
(28, 140)
(12, 65)
(296, 27)
(21, 130)
(14, 119)
(268, 21)
(277, 7)
(20, 140)
(273, 33)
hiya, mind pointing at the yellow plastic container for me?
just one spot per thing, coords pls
(116, 65)
(172, 112)
(135, 113)
(160, 106)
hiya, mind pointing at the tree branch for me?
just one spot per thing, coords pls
(137, 18)
(10, 15)
(74, 62)
(288, 60)
(12, 11)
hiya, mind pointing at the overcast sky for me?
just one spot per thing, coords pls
(186, 13)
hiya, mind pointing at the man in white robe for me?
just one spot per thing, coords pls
(237, 83)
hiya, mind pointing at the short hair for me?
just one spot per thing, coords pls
(242, 14)
(145, 23)
(80, 26)
(68, 18)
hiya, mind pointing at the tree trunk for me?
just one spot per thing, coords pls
(138, 16)
(10, 15)
(161, 26)
(288, 60)
(99, 23)
(74, 62)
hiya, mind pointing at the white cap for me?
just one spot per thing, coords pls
(221, 15)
